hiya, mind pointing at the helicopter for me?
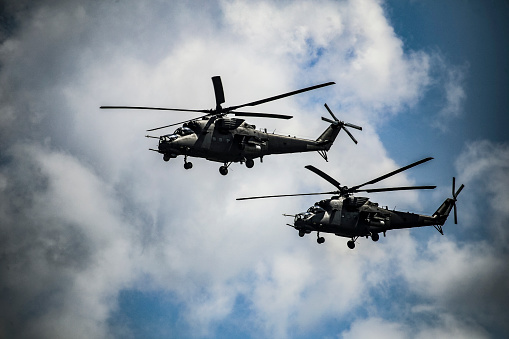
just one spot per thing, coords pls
(218, 138)
(354, 217)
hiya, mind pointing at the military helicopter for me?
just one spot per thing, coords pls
(216, 137)
(354, 217)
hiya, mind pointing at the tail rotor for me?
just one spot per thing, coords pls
(454, 197)
(341, 124)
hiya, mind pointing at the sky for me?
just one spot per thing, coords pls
(101, 238)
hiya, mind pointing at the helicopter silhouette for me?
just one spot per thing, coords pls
(354, 217)
(216, 137)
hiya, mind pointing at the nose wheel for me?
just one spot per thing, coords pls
(351, 243)
(375, 236)
(249, 163)
(224, 169)
(319, 239)
(187, 164)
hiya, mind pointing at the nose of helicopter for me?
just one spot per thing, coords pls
(300, 219)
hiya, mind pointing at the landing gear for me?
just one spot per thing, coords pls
(187, 165)
(319, 239)
(223, 170)
(350, 244)
(249, 163)
(375, 236)
(166, 157)
(301, 233)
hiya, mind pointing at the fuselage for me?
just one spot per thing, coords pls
(357, 217)
(232, 140)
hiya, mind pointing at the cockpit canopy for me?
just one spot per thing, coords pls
(183, 131)
(179, 132)
(315, 209)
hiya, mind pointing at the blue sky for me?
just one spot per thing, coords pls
(101, 238)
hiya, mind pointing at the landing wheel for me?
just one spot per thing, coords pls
(375, 236)
(301, 233)
(188, 165)
(249, 163)
(166, 157)
(320, 240)
(351, 244)
(223, 170)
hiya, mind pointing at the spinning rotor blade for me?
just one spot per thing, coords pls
(341, 124)
(330, 112)
(175, 124)
(404, 188)
(261, 115)
(349, 134)
(329, 120)
(284, 195)
(156, 108)
(327, 177)
(353, 126)
(455, 195)
(355, 188)
(455, 214)
(277, 97)
(218, 90)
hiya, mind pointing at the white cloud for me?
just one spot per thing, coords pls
(447, 327)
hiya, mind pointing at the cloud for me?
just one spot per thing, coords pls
(451, 80)
(447, 326)
(87, 212)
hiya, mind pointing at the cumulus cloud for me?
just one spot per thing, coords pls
(87, 212)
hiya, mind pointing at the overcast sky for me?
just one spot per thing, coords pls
(102, 239)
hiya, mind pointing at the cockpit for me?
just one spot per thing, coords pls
(315, 209)
(179, 132)
(183, 131)
(303, 216)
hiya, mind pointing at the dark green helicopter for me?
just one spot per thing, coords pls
(216, 137)
(354, 217)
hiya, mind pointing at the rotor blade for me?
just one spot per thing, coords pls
(262, 115)
(354, 188)
(453, 187)
(403, 188)
(156, 108)
(324, 175)
(459, 190)
(350, 134)
(330, 112)
(258, 102)
(353, 126)
(218, 89)
(175, 124)
(330, 121)
(284, 195)
(455, 214)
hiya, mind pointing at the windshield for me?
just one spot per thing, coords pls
(315, 209)
(168, 138)
(183, 131)
(303, 216)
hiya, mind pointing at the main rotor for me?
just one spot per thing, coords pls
(220, 111)
(344, 191)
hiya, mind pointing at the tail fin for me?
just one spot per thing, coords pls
(330, 134)
(443, 211)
